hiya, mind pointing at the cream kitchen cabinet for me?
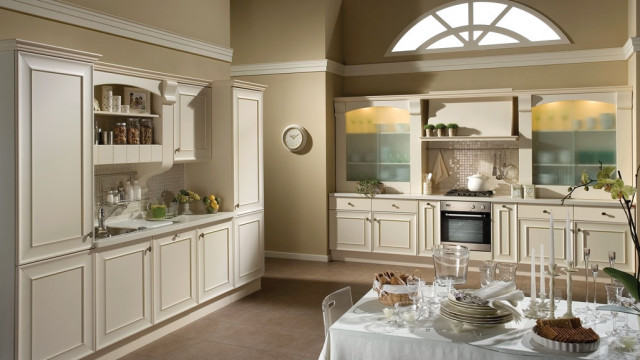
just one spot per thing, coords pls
(386, 226)
(174, 274)
(55, 310)
(123, 291)
(533, 230)
(248, 247)
(428, 226)
(192, 123)
(504, 237)
(215, 260)
(603, 230)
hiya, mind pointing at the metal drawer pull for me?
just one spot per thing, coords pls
(395, 206)
(464, 215)
(504, 206)
(350, 204)
(367, 219)
(148, 249)
(545, 212)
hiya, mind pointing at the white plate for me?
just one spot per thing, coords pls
(450, 314)
(566, 347)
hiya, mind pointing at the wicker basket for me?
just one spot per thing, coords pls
(389, 295)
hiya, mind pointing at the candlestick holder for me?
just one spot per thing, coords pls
(569, 270)
(552, 306)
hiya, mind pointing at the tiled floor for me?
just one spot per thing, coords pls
(284, 319)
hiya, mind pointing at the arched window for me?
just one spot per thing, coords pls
(474, 25)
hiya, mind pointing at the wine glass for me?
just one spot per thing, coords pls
(594, 272)
(627, 300)
(586, 253)
(612, 259)
(614, 293)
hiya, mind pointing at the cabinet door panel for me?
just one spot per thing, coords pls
(602, 238)
(350, 230)
(504, 243)
(428, 226)
(215, 254)
(249, 248)
(248, 150)
(56, 308)
(174, 269)
(394, 233)
(56, 105)
(192, 124)
(123, 292)
(535, 232)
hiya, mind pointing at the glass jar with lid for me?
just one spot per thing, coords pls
(133, 131)
(120, 134)
(146, 131)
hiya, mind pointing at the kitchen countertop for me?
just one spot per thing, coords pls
(499, 198)
(180, 223)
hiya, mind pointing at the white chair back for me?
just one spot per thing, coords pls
(334, 305)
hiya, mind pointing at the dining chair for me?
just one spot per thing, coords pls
(334, 305)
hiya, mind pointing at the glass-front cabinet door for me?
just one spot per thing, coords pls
(373, 141)
(572, 133)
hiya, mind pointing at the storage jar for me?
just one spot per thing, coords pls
(120, 134)
(146, 132)
(133, 131)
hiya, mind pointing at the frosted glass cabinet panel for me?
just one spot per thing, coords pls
(571, 136)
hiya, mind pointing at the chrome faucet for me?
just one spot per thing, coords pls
(102, 217)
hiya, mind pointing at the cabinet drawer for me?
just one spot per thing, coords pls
(391, 205)
(359, 204)
(538, 211)
(599, 214)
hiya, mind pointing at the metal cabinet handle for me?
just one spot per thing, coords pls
(578, 230)
(350, 204)
(148, 249)
(504, 206)
(175, 237)
(395, 206)
(237, 206)
(367, 219)
(545, 212)
(201, 236)
(176, 151)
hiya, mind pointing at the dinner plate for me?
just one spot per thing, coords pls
(465, 305)
(472, 310)
(494, 314)
(447, 312)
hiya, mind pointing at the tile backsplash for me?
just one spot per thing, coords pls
(463, 159)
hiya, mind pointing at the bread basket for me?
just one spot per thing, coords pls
(389, 295)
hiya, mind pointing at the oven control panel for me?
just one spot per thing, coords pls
(466, 206)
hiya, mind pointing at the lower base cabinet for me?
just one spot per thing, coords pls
(55, 310)
(249, 247)
(174, 274)
(215, 259)
(123, 292)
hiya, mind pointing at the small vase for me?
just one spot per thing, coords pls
(427, 132)
(452, 131)
(184, 209)
(440, 132)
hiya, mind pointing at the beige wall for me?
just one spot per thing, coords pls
(206, 20)
(114, 49)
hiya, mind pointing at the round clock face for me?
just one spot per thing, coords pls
(294, 138)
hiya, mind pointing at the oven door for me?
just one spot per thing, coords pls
(470, 229)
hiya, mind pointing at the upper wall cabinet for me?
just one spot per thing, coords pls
(192, 124)
(374, 141)
(47, 139)
(571, 133)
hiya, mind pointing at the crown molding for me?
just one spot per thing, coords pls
(631, 46)
(79, 16)
(289, 67)
(30, 46)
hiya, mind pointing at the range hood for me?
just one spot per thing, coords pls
(487, 118)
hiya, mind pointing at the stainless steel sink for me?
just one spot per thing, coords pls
(111, 231)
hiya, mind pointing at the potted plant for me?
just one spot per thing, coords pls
(625, 194)
(440, 129)
(369, 187)
(428, 129)
(453, 129)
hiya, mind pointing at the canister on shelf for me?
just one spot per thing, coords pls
(516, 191)
(529, 191)
(146, 131)
(133, 131)
(120, 134)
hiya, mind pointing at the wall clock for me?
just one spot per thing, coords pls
(294, 137)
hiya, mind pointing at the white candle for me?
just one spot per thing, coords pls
(569, 239)
(542, 285)
(533, 275)
(552, 255)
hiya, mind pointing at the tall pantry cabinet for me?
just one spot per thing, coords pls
(237, 130)
(46, 306)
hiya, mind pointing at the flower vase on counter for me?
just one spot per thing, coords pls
(184, 209)
(185, 197)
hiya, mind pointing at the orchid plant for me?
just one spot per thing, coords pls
(625, 194)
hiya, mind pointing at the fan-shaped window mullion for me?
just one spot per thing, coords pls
(492, 26)
(450, 30)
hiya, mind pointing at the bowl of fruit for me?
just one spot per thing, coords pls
(211, 203)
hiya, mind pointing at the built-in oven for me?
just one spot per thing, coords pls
(466, 223)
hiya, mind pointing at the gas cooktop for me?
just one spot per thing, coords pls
(467, 192)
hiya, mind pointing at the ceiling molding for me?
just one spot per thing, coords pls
(79, 16)
(289, 67)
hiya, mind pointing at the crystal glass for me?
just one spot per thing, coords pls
(626, 299)
(451, 263)
(585, 310)
(507, 272)
(486, 274)
(594, 272)
(614, 293)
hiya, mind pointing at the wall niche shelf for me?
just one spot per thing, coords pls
(129, 114)
(468, 138)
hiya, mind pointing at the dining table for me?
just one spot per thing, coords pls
(364, 332)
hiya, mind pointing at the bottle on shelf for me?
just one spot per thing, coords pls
(109, 197)
(128, 191)
(121, 195)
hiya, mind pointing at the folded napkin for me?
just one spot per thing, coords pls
(439, 170)
(502, 295)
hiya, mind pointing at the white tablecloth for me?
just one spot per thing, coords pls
(364, 333)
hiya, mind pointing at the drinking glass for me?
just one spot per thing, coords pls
(594, 272)
(486, 274)
(612, 259)
(614, 293)
(451, 263)
(507, 272)
(627, 300)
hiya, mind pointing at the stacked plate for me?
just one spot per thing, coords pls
(470, 312)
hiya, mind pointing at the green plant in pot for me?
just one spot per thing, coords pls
(625, 195)
(453, 129)
(369, 187)
(428, 129)
(440, 127)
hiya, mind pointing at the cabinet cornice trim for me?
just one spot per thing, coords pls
(631, 46)
(94, 20)
(289, 67)
(149, 74)
(44, 49)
